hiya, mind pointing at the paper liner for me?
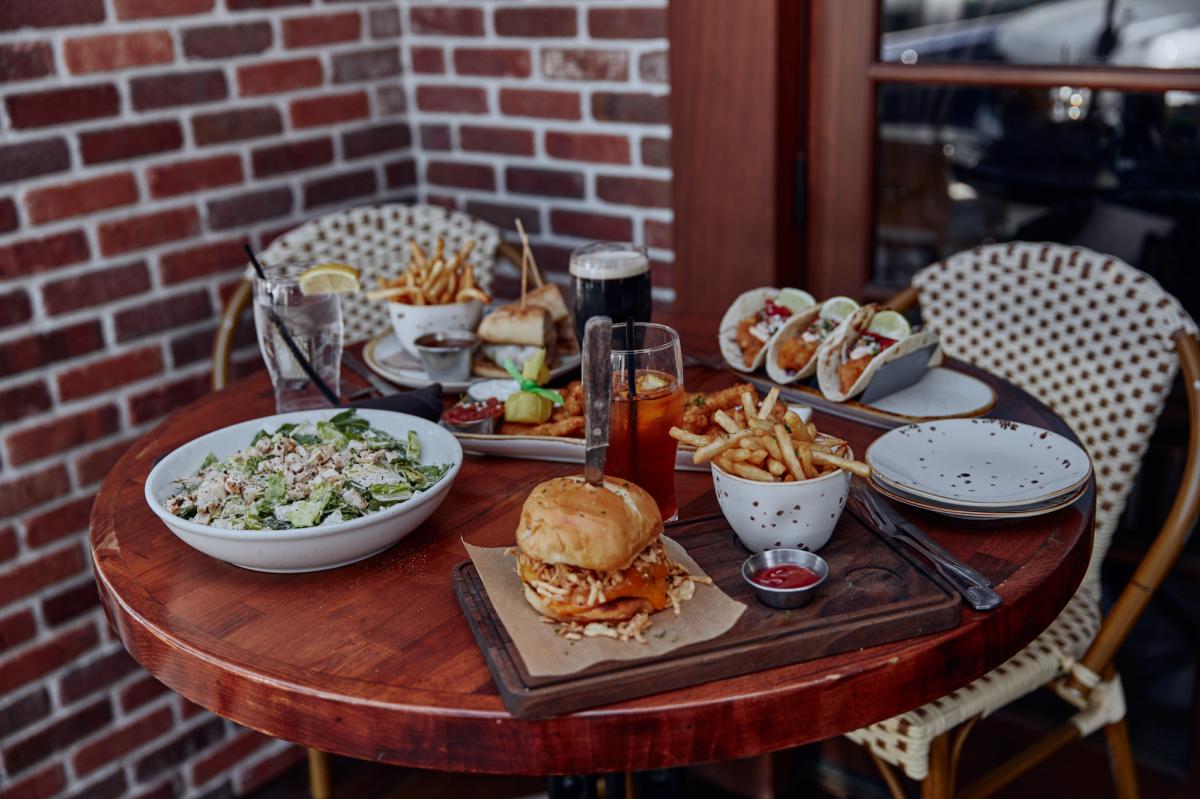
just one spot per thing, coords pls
(708, 614)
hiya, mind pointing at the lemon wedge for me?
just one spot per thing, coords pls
(889, 324)
(838, 308)
(329, 278)
(795, 299)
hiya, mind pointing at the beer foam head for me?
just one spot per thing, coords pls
(609, 261)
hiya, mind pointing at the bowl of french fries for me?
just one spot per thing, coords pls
(779, 481)
(436, 292)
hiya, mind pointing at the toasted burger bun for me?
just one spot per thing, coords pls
(567, 520)
(530, 326)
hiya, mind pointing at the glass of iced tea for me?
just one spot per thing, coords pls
(647, 401)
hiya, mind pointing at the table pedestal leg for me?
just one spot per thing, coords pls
(320, 785)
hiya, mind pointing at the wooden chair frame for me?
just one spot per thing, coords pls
(1115, 627)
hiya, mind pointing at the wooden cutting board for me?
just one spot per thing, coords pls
(875, 594)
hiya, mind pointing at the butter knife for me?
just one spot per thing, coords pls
(597, 395)
(875, 512)
(360, 369)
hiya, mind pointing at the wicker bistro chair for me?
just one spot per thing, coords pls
(374, 239)
(1099, 342)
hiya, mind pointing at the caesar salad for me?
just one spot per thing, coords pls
(315, 473)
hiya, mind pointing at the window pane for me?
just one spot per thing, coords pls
(1112, 171)
(1163, 34)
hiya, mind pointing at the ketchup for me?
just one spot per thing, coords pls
(786, 575)
(467, 412)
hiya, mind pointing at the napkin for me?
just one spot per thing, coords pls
(424, 402)
(708, 614)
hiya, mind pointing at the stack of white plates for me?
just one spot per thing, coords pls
(979, 468)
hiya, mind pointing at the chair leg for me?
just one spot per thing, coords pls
(939, 784)
(1120, 756)
(889, 775)
(320, 783)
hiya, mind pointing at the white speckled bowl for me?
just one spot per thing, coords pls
(799, 515)
(413, 321)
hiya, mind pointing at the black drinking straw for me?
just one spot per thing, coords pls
(631, 388)
(290, 342)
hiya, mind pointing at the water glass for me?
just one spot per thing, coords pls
(315, 325)
(640, 447)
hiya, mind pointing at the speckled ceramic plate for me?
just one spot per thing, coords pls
(991, 513)
(979, 463)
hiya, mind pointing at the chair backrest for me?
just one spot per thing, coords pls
(375, 239)
(1086, 333)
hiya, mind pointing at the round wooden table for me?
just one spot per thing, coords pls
(376, 660)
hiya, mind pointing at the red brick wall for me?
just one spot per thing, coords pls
(555, 112)
(141, 142)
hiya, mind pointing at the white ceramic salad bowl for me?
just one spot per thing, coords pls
(307, 548)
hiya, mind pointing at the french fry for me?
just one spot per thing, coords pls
(748, 404)
(852, 466)
(812, 431)
(717, 446)
(727, 422)
(689, 438)
(472, 294)
(794, 423)
(776, 467)
(804, 453)
(418, 254)
(753, 473)
(758, 457)
(772, 447)
(387, 294)
(723, 463)
(768, 403)
(738, 454)
(789, 452)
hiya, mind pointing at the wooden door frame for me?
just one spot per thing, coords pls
(737, 90)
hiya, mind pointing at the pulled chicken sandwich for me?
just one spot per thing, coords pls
(590, 559)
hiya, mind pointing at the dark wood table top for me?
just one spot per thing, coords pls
(376, 661)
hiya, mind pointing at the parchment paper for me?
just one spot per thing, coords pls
(709, 613)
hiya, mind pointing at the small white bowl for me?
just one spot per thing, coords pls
(797, 515)
(308, 548)
(413, 321)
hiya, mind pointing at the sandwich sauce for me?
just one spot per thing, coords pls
(786, 575)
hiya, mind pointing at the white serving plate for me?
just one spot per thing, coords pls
(979, 514)
(941, 393)
(388, 359)
(309, 548)
(979, 463)
(568, 450)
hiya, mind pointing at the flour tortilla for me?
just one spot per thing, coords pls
(841, 342)
(799, 321)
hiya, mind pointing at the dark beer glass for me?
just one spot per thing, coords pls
(610, 279)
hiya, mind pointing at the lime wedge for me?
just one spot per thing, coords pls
(329, 278)
(889, 324)
(795, 299)
(838, 308)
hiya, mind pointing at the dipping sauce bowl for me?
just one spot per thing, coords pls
(785, 598)
(447, 355)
